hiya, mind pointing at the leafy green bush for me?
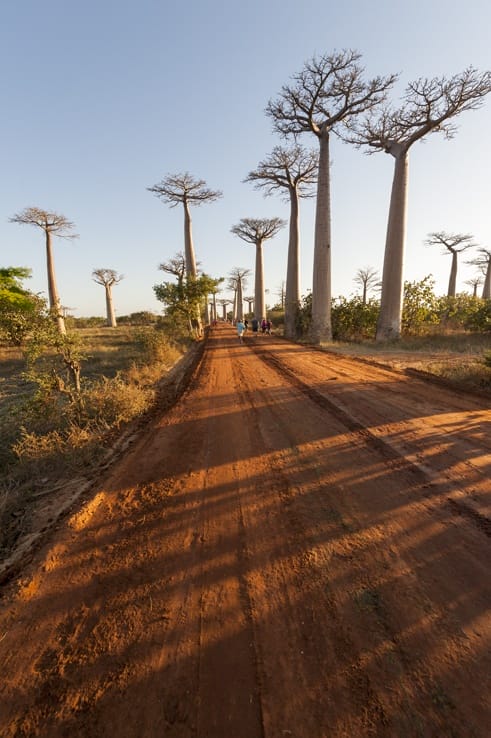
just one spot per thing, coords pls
(354, 320)
(420, 307)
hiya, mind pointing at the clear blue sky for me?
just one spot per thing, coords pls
(103, 98)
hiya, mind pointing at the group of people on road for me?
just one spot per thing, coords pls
(243, 326)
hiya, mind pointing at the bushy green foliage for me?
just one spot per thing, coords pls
(457, 313)
(353, 319)
(420, 307)
(480, 320)
(21, 311)
(184, 300)
(304, 316)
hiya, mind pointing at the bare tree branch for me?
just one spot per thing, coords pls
(254, 230)
(328, 90)
(429, 105)
(184, 188)
(292, 168)
(49, 221)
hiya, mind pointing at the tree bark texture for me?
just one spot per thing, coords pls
(111, 318)
(292, 289)
(390, 318)
(452, 282)
(240, 301)
(321, 282)
(188, 243)
(486, 291)
(259, 282)
(54, 299)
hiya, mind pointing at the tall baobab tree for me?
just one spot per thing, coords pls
(368, 279)
(250, 302)
(453, 243)
(184, 189)
(292, 171)
(483, 261)
(224, 304)
(428, 106)
(329, 90)
(53, 224)
(108, 278)
(256, 231)
(238, 280)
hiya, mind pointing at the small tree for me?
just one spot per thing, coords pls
(21, 311)
(108, 278)
(368, 279)
(428, 106)
(183, 300)
(292, 171)
(256, 231)
(453, 243)
(53, 224)
(328, 91)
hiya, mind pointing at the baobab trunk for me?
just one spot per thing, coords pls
(390, 318)
(486, 291)
(54, 299)
(321, 329)
(240, 301)
(452, 282)
(190, 259)
(259, 283)
(292, 290)
(111, 318)
(188, 243)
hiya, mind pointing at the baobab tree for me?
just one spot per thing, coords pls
(474, 282)
(224, 304)
(175, 266)
(256, 231)
(184, 189)
(237, 282)
(368, 279)
(250, 303)
(428, 106)
(453, 243)
(53, 224)
(108, 278)
(329, 90)
(292, 171)
(483, 261)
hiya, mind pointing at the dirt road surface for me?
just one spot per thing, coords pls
(299, 547)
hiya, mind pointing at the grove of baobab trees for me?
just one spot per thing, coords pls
(291, 170)
(53, 224)
(256, 231)
(329, 91)
(428, 105)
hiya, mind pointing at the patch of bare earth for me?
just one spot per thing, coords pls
(299, 547)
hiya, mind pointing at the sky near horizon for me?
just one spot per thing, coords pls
(102, 99)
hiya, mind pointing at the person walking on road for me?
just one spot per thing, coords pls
(240, 330)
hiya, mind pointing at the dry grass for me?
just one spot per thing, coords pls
(42, 431)
(459, 358)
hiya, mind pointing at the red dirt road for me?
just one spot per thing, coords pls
(300, 547)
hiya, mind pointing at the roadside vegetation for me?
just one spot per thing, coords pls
(64, 399)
